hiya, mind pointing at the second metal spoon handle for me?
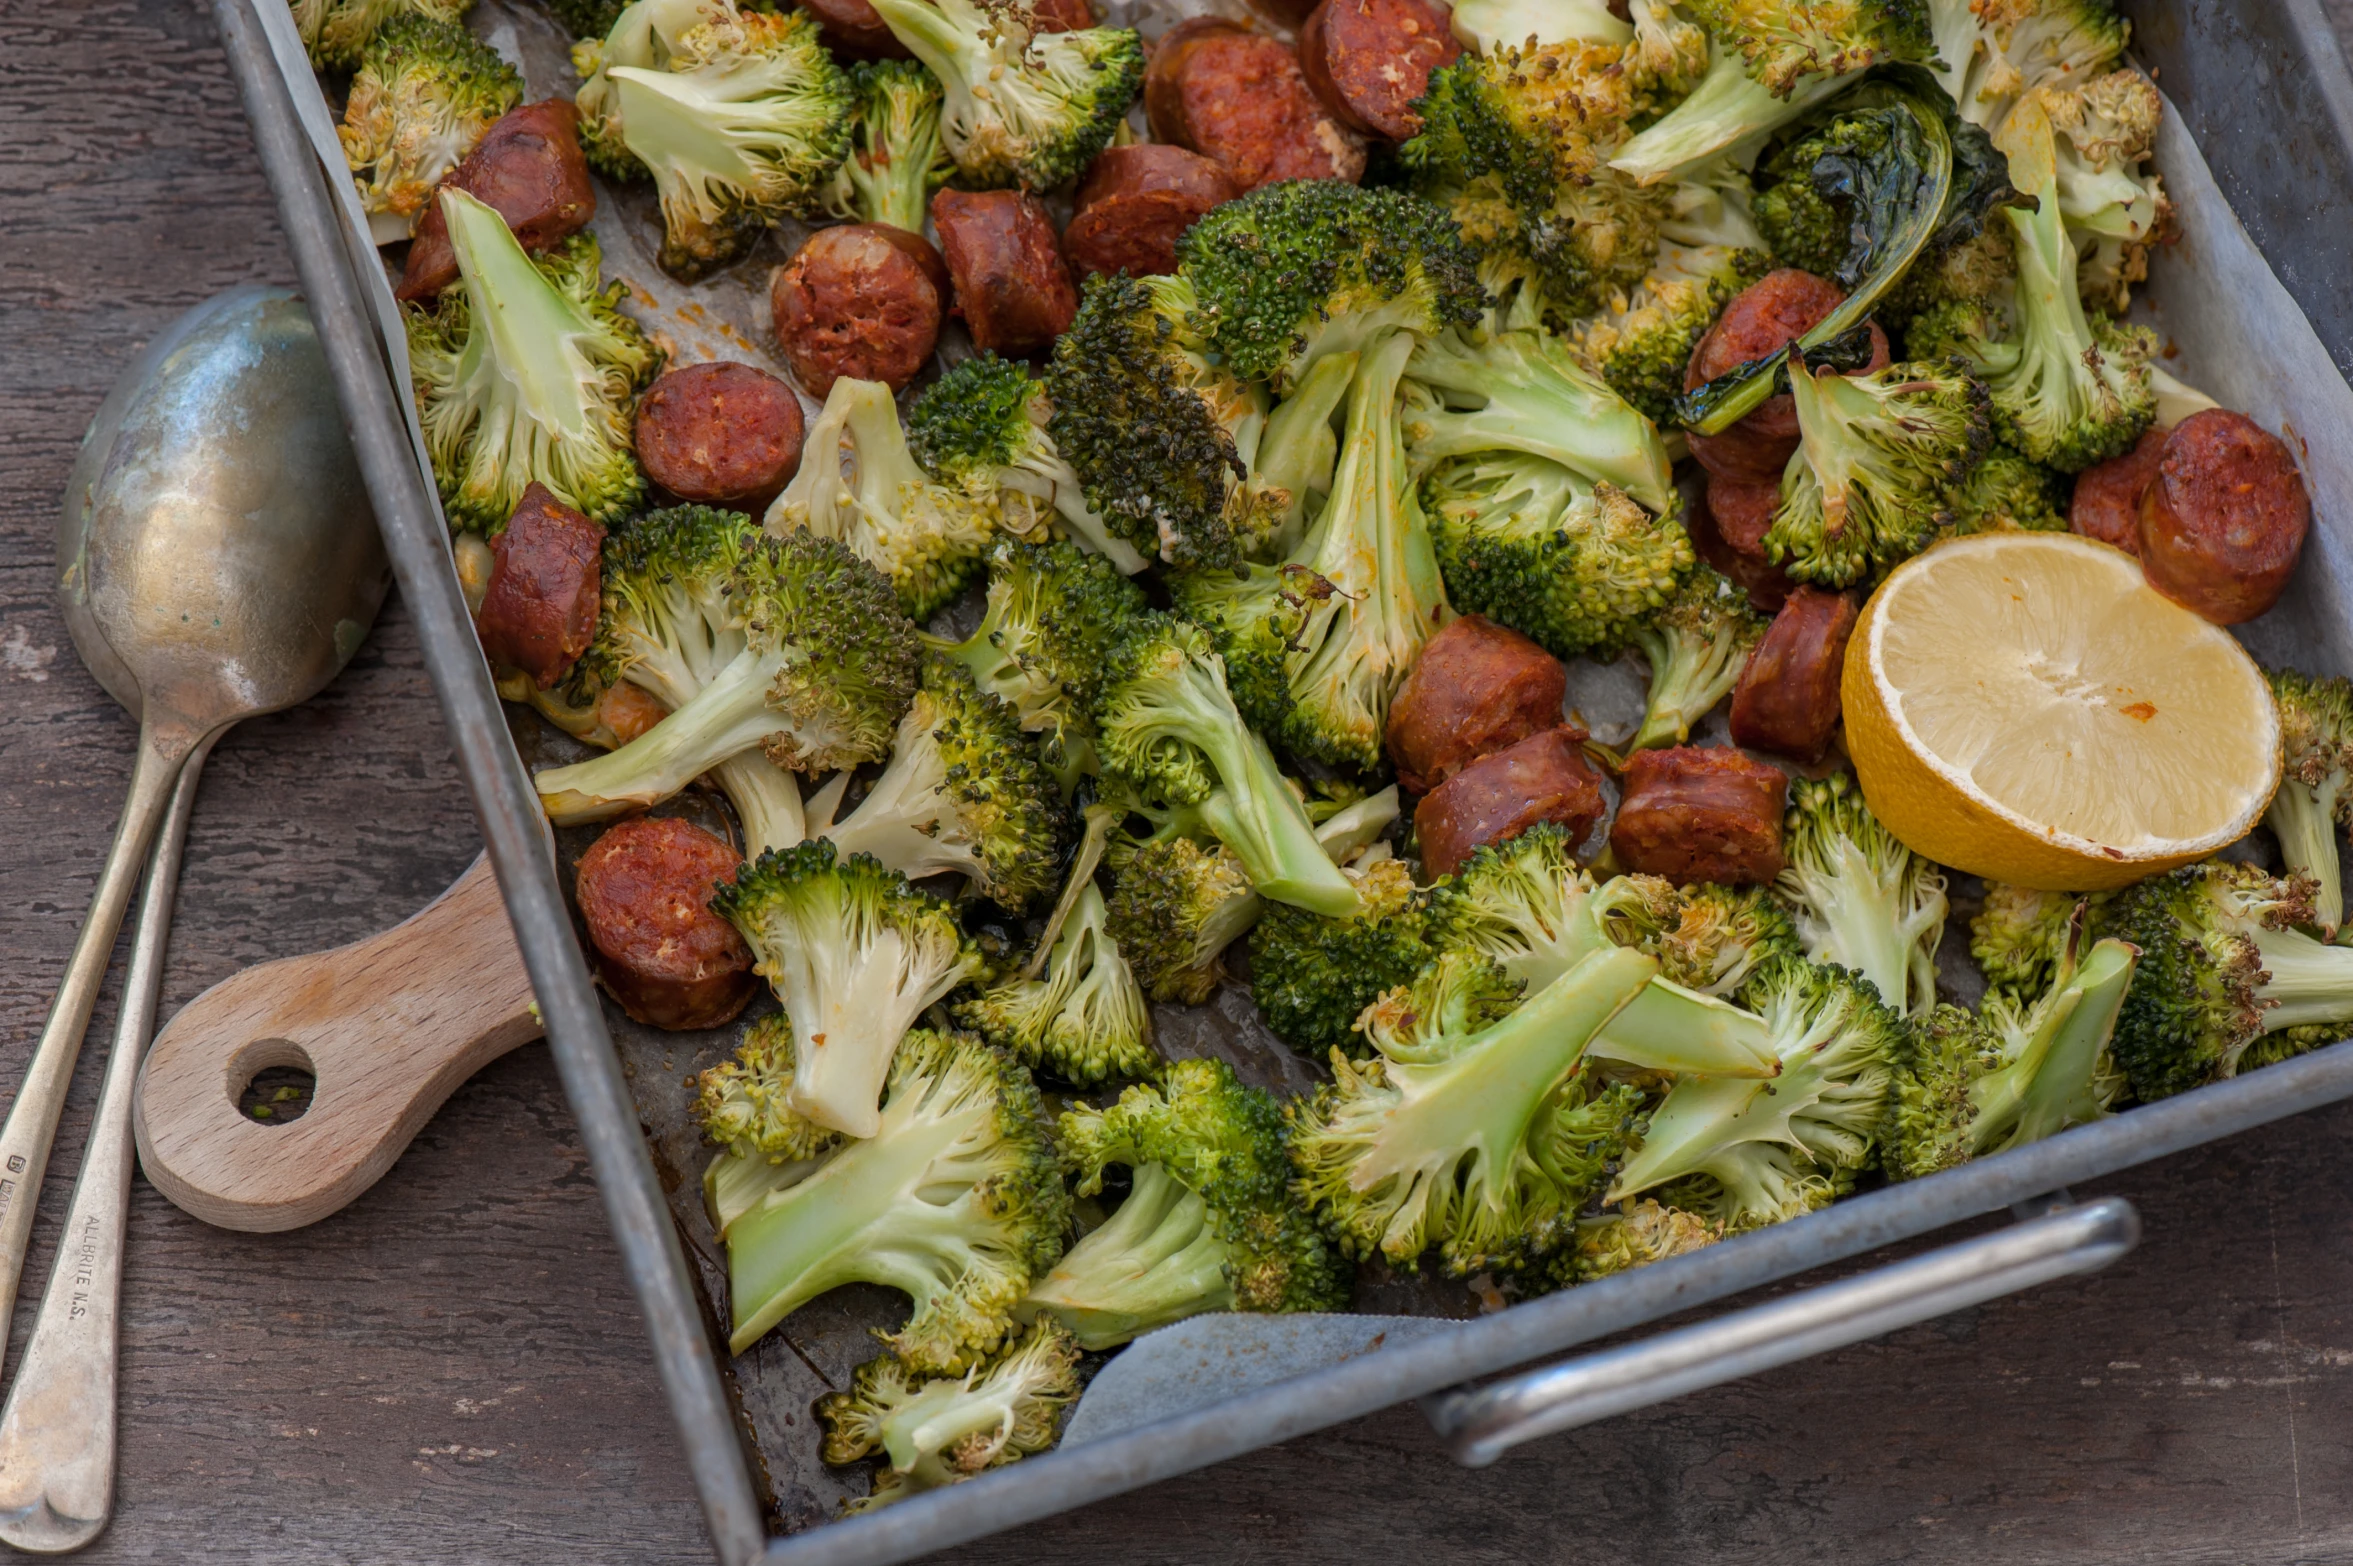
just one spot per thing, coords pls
(32, 1120)
(57, 1431)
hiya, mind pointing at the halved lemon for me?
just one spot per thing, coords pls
(2025, 706)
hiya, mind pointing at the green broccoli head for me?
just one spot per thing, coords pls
(1641, 346)
(669, 620)
(1312, 977)
(954, 1197)
(1085, 1019)
(943, 1431)
(2020, 934)
(1877, 455)
(426, 91)
(896, 157)
(981, 428)
(1978, 271)
(1696, 647)
(2316, 735)
(1524, 904)
(1209, 1224)
(2223, 967)
(1720, 936)
(528, 374)
(1787, 42)
(1807, 202)
(742, 1103)
(336, 33)
(740, 116)
(2007, 493)
(1023, 106)
(1175, 907)
(1861, 899)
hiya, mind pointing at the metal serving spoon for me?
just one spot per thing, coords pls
(217, 558)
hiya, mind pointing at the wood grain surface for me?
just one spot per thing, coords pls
(452, 1368)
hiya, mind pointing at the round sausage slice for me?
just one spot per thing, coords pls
(644, 890)
(1763, 318)
(1370, 60)
(856, 29)
(1477, 688)
(1240, 98)
(1787, 699)
(1700, 815)
(2107, 503)
(2224, 518)
(528, 169)
(1011, 287)
(1728, 529)
(1545, 777)
(1136, 203)
(720, 435)
(862, 300)
(546, 589)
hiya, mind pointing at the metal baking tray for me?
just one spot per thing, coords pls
(2259, 301)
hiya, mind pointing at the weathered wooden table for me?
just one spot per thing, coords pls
(452, 1370)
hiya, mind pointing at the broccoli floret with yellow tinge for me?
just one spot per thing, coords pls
(855, 954)
(1777, 1147)
(942, 1431)
(1876, 457)
(2016, 1072)
(1312, 976)
(1990, 56)
(826, 669)
(2019, 936)
(2226, 975)
(1642, 1232)
(926, 536)
(1696, 647)
(1024, 106)
(1209, 1224)
(740, 116)
(896, 157)
(1642, 344)
(426, 91)
(528, 373)
(742, 1106)
(1980, 270)
(1490, 26)
(1861, 899)
(336, 33)
(2115, 209)
(1085, 1019)
(953, 1196)
(1524, 391)
(1175, 906)
(982, 428)
(2006, 493)
(2313, 801)
(1719, 936)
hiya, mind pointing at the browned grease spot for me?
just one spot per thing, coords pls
(2139, 711)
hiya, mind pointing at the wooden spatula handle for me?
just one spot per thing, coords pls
(388, 1026)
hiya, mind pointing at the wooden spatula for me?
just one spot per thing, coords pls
(388, 1027)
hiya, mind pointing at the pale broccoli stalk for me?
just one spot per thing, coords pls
(336, 33)
(1729, 111)
(426, 91)
(740, 116)
(1696, 647)
(1489, 26)
(1024, 106)
(953, 1196)
(1861, 899)
(526, 374)
(1086, 1020)
(943, 1431)
(1525, 391)
(896, 158)
(2313, 802)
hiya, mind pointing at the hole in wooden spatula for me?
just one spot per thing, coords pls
(278, 1081)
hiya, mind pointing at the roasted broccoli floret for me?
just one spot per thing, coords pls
(2224, 970)
(1167, 725)
(1720, 936)
(927, 537)
(2006, 493)
(953, 1196)
(1085, 1018)
(1877, 455)
(963, 794)
(590, 19)
(1524, 904)
(1175, 907)
(425, 93)
(1642, 345)
(1524, 391)
(1471, 1128)
(741, 1104)
(1696, 647)
(1778, 1147)
(2316, 743)
(527, 374)
(827, 669)
(740, 116)
(1312, 976)
(337, 32)
(1861, 899)
(2115, 209)
(1024, 106)
(1988, 57)
(1969, 1086)
(943, 1431)
(1641, 1232)
(2019, 936)
(1209, 1224)
(896, 158)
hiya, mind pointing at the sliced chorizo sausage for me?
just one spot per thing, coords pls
(1787, 699)
(1011, 286)
(2224, 517)
(644, 890)
(854, 28)
(1370, 60)
(1477, 688)
(546, 588)
(528, 169)
(2107, 503)
(720, 434)
(1240, 98)
(1061, 16)
(1545, 777)
(1136, 203)
(1700, 815)
(1763, 318)
(861, 300)
(626, 710)
(1728, 529)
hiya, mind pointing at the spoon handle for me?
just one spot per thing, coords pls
(32, 1120)
(57, 1430)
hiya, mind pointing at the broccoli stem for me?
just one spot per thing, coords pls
(2304, 819)
(1257, 816)
(2050, 1086)
(1687, 678)
(1861, 911)
(1539, 402)
(1728, 107)
(725, 718)
(2305, 981)
(1299, 447)
(767, 801)
(1156, 1260)
(1666, 1027)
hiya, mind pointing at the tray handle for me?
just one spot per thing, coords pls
(1479, 1425)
